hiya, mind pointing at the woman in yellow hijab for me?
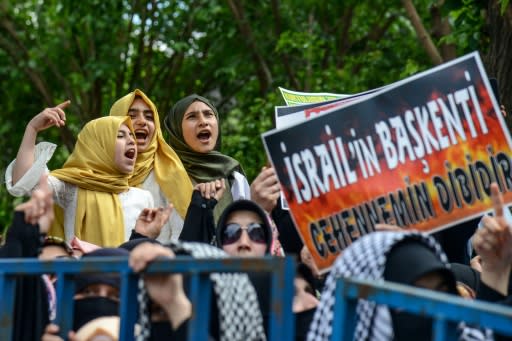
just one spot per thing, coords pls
(92, 187)
(158, 169)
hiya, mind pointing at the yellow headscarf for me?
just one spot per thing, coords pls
(99, 216)
(170, 174)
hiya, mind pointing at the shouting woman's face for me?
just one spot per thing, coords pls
(200, 127)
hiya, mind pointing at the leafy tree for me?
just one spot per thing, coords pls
(235, 52)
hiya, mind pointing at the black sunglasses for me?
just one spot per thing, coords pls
(232, 233)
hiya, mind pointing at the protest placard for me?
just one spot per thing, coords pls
(296, 97)
(420, 153)
(289, 115)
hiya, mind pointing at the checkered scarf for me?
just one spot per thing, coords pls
(239, 312)
(366, 259)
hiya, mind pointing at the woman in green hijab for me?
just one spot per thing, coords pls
(193, 125)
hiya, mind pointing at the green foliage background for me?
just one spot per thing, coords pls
(235, 52)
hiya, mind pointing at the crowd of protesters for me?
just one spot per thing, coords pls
(125, 191)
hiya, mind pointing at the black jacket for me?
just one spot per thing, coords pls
(31, 301)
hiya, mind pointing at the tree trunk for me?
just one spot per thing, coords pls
(285, 58)
(497, 60)
(262, 69)
(441, 28)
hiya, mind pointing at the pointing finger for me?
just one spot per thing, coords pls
(497, 200)
(64, 104)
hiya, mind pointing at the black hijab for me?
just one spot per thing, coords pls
(367, 258)
(406, 263)
(245, 205)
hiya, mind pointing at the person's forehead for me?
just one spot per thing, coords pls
(432, 280)
(139, 103)
(101, 286)
(55, 249)
(124, 127)
(198, 105)
(244, 215)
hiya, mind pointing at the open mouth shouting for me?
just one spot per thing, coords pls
(204, 136)
(131, 153)
(141, 136)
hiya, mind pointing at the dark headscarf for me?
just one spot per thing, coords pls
(245, 205)
(232, 295)
(367, 258)
(261, 281)
(201, 167)
(407, 262)
(86, 279)
(90, 308)
(132, 244)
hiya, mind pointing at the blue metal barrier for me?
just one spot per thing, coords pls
(281, 270)
(446, 310)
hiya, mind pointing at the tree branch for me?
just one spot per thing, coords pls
(168, 71)
(441, 28)
(423, 36)
(140, 48)
(285, 58)
(344, 37)
(262, 69)
(18, 52)
(149, 50)
(497, 59)
(121, 76)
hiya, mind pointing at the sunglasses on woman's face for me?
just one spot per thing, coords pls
(233, 232)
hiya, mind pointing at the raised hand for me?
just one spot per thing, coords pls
(306, 258)
(39, 209)
(493, 243)
(212, 190)
(265, 189)
(49, 117)
(151, 220)
(476, 263)
(25, 158)
(164, 289)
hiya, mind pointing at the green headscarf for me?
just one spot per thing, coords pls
(201, 167)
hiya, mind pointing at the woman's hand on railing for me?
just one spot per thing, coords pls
(166, 290)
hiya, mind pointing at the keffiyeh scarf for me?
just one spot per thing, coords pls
(239, 312)
(366, 259)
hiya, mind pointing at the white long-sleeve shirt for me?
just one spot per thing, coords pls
(65, 194)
